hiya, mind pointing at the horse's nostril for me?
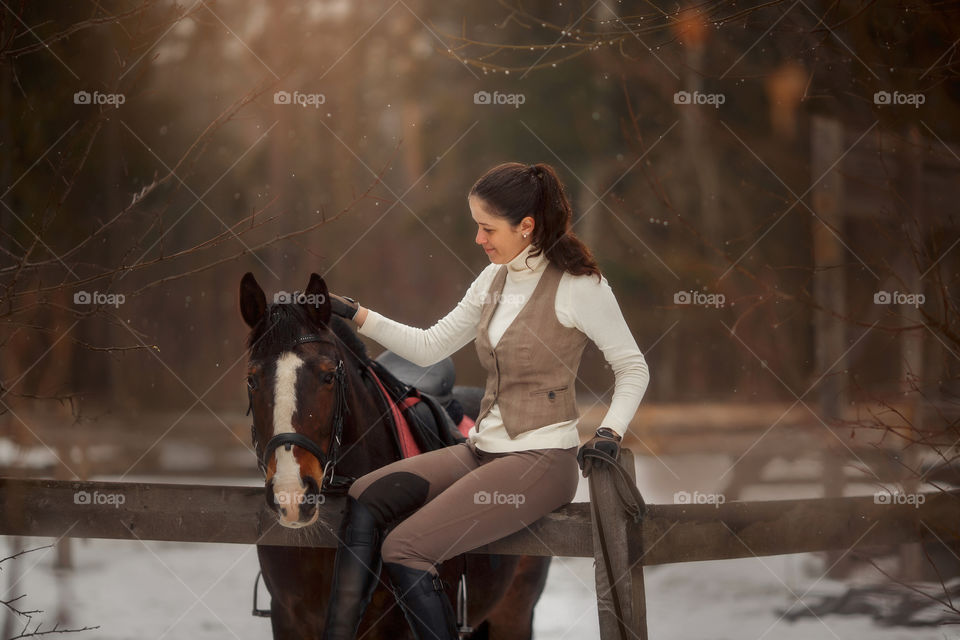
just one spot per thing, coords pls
(311, 494)
(272, 498)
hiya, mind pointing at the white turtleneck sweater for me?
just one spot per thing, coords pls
(581, 302)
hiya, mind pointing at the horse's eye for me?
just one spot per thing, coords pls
(251, 383)
(328, 378)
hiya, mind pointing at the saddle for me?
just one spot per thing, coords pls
(462, 403)
(424, 398)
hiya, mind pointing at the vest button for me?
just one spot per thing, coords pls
(551, 395)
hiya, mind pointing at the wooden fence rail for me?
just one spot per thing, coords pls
(670, 532)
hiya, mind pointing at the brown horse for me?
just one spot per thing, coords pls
(305, 385)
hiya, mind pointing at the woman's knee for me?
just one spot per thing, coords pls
(400, 547)
(360, 484)
(391, 496)
(355, 489)
(396, 547)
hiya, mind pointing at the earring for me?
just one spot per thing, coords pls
(524, 235)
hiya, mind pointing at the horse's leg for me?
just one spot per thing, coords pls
(281, 621)
(488, 578)
(299, 581)
(512, 617)
(296, 578)
(384, 619)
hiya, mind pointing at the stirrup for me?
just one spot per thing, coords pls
(462, 627)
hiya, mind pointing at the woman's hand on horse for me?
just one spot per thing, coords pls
(343, 306)
(606, 441)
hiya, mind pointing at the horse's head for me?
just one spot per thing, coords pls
(296, 382)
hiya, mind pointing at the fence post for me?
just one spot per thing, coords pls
(829, 291)
(625, 561)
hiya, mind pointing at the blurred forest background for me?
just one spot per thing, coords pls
(147, 161)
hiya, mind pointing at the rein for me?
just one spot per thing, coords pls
(635, 507)
(330, 482)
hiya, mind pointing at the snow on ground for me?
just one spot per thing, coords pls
(155, 590)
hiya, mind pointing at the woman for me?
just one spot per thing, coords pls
(530, 312)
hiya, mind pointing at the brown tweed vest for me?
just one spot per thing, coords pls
(531, 372)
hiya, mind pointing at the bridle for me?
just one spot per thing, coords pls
(328, 460)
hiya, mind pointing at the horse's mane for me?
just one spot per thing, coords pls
(351, 341)
(283, 323)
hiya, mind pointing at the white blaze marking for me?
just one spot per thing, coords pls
(284, 406)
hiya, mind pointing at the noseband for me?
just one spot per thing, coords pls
(329, 481)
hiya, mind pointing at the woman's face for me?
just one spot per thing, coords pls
(501, 240)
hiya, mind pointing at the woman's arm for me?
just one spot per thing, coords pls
(593, 308)
(424, 347)
(361, 315)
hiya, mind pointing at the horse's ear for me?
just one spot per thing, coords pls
(317, 301)
(253, 302)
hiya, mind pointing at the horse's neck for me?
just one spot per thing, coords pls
(366, 431)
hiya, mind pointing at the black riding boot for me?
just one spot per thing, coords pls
(425, 605)
(356, 572)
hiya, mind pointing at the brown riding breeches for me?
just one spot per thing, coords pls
(442, 503)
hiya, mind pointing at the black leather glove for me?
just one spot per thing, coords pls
(606, 441)
(343, 306)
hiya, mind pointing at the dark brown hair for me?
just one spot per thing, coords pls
(514, 191)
